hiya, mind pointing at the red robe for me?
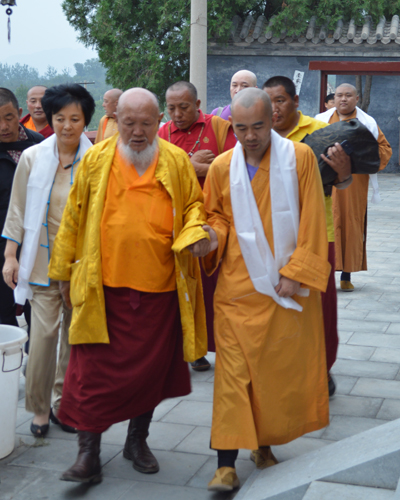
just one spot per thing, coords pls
(46, 132)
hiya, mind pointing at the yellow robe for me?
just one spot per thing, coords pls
(110, 130)
(350, 211)
(270, 373)
(76, 254)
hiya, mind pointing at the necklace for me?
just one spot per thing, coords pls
(191, 152)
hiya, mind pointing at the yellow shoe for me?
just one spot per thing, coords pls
(347, 286)
(263, 457)
(225, 479)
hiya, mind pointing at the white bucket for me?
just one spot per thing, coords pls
(12, 340)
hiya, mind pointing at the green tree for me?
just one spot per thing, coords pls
(146, 44)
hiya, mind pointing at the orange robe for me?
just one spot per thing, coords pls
(350, 213)
(107, 128)
(270, 372)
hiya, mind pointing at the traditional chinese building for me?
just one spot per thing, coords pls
(314, 59)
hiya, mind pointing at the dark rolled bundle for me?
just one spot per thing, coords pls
(365, 155)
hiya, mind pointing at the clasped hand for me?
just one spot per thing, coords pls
(203, 247)
(339, 161)
(287, 287)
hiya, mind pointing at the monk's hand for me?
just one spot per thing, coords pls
(10, 272)
(213, 237)
(339, 161)
(65, 292)
(201, 161)
(287, 287)
(203, 247)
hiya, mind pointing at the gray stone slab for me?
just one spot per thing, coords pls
(344, 336)
(344, 384)
(201, 391)
(45, 485)
(375, 340)
(386, 355)
(55, 431)
(152, 491)
(164, 407)
(331, 491)
(371, 369)
(371, 387)
(390, 409)
(23, 416)
(350, 325)
(373, 305)
(360, 353)
(355, 406)
(394, 328)
(393, 317)
(175, 468)
(342, 427)
(244, 469)
(59, 455)
(372, 457)
(195, 412)
(298, 447)
(357, 314)
(198, 441)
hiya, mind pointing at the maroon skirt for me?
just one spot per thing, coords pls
(329, 307)
(209, 284)
(142, 365)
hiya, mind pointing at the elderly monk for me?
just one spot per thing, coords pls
(350, 206)
(122, 256)
(14, 139)
(292, 124)
(203, 137)
(265, 205)
(36, 118)
(108, 124)
(242, 79)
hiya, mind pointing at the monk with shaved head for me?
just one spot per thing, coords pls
(108, 124)
(126, 257)
(36, 119)
(242, 79)
(350, 205)
(265, 205)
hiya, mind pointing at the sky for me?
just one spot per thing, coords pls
(41, 36)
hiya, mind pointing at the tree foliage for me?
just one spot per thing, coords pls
(147, 44)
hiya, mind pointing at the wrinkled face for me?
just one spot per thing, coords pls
(346, 100)
(138, 121)
(241, 80)
(68, 124)
(9, 123)
(34, 103)
(182, 108)
(284, 107)
(109, 104)
(330, 104)
(252, 127)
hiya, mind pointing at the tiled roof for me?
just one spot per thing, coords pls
(259, 30)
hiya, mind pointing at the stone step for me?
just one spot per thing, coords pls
(319, 490)
(371, 458)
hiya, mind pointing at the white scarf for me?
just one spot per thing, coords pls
(263, 268)
(40, 182)
(372, 126)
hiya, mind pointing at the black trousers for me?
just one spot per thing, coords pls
(7, 304)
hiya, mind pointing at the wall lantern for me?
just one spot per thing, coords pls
(10, 3)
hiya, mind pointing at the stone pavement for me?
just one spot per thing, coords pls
(368, 395)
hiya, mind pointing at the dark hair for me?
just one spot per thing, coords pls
(329, 97)
(7, 96)
(286, 83)
(57, 97)
(183, 85)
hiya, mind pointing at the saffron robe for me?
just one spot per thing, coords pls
(27, 122)
(270, 372)
(350, 213)
(107, 128)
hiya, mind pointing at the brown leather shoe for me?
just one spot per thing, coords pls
(136, 448)
(87, 468)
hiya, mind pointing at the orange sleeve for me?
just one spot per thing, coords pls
(385, 151)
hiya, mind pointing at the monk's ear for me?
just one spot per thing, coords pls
(20, 112)
(160, 117)
(115, 116)
(296, 101)
(357, 98)
(198, 102)
(230, 119)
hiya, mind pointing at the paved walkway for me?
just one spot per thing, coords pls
(367, 373)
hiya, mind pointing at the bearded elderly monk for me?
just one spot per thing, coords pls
(292, 124)
(265, 205)
(350, 206)
(203, 137)
(135, 288)
(108, 124)
(36, 119)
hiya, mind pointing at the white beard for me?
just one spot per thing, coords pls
(142, 159)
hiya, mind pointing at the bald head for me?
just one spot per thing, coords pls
(110, 101)
(34, 104)
(242, 79)
(136, 98)
(346, 99)
(249, 98)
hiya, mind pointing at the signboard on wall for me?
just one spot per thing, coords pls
(298, 80)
